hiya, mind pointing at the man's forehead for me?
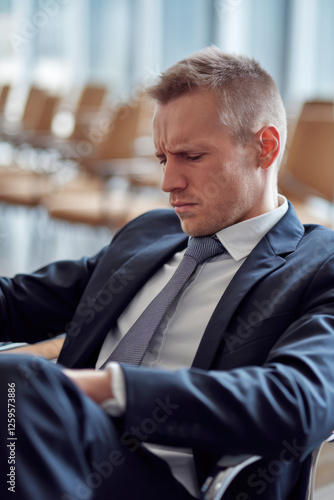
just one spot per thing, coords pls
(176, 132)
(191, 100)
(180, 115)
(182, 124)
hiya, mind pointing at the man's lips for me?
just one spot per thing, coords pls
(183, 206)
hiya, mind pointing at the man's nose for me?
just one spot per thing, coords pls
(173, 176)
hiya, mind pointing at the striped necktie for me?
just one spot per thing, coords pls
(134, 344)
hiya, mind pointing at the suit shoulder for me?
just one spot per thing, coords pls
(155, 222)
(318, 240)
(316, 231)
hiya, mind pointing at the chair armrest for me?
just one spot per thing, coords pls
(330, 439)
(48, 349)
(215, 486)
(313, 470)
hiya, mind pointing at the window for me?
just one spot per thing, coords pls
(124, 43)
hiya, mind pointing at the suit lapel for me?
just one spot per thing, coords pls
(266, 257)
(114, 295)
(140, 268)
(248, 274)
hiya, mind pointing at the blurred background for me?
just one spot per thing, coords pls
(76, 155)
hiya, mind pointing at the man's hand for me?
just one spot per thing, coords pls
(95, 383)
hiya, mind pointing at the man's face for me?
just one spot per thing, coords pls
(212, 180)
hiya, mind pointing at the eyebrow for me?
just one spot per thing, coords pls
(185, 150)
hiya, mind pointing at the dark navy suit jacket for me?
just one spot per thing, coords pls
(262, 381)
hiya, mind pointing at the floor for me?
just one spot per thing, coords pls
(29, 240)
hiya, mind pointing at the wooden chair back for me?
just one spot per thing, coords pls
(33, 108)
(4, 91)
(310, 158)
(91, 97)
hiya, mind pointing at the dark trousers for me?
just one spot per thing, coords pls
(57, 444)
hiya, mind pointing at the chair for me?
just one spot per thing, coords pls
(309, 168)
(23, 187)
(4, 91)
(118, 142)
(44, 122)
(113, 157)
(79, 111)
(91, 97)
(33, 106)
(88, 104)
(315, 459)
(99, 207)
(217, 485)
(48, 349)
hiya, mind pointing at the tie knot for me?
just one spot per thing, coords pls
(204, 247)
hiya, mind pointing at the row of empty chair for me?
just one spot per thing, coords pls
(105, 141)
(28, 114)
(71, 175)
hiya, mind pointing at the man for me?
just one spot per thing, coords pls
(241, 361)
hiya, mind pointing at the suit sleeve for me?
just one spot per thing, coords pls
(289, 401)
(38, 306)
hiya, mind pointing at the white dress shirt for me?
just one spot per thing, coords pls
(179, 335)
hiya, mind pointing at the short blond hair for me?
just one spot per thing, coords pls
(247, 95)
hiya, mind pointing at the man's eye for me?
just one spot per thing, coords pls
(195, 158)
(162, 161)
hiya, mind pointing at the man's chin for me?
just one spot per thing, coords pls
(194, 230)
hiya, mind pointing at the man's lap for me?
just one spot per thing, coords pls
(64, 446)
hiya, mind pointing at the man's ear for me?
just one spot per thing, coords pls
(268, 139)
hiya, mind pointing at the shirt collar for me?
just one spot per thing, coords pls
(241, 238)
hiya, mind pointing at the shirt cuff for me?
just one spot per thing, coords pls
(116, 405)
